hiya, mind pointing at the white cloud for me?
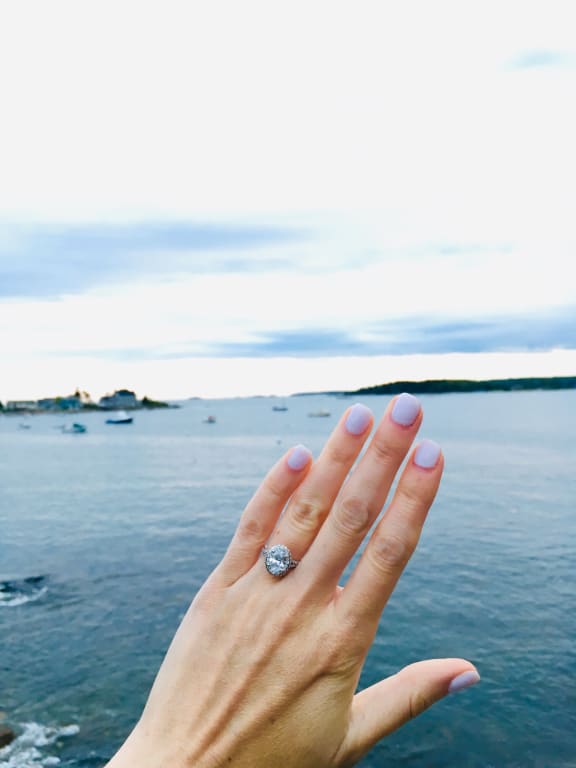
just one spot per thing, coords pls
(389, 129)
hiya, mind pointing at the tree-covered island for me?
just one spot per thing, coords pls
(445, 386)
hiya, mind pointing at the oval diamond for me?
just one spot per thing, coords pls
(278, 559)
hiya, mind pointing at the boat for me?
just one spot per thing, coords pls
(74, 429)
(24, 426)
(210, 420)
(321, 414)
(121, 417)
(280, 407)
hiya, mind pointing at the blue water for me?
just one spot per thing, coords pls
(124, 523)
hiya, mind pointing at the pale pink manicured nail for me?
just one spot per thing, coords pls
(464, 680)
(299, 457)
(427, 454)
(406, 409)
(358, 419)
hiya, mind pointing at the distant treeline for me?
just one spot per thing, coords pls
(441, 386)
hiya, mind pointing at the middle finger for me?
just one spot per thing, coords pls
(312, 501)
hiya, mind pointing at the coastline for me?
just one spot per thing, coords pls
(426, 386)
(451, 386)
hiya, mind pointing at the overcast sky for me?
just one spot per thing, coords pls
(254, 197)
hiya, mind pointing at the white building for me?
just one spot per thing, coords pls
(122, 399)
(21, 405)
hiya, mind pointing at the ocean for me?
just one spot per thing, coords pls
(106, 537)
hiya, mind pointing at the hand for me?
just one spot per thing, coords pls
(263, 670)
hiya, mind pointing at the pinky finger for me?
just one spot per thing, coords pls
(261, 514)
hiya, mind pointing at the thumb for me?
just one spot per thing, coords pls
(385, 706)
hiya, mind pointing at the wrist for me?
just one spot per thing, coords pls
(139, 751)
(133, 754)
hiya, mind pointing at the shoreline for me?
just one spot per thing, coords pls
(76, 411)
(451, 386)
(426, 386)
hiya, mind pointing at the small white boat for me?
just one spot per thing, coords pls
(121, 417)
(74, 429)
(321, 414)
(210, 420)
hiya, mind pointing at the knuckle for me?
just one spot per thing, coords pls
(411, 497)
(351, 636)
(340, 454)
(418, 703)
(391, 552)
(307, 515)
(332, 651)
(386, 452)
(352, 515)
(274, 489)
(250, 530)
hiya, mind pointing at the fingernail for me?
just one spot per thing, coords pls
(358, 419)
(406, 409)
(299, 457)
(464, 680)
(427, 454)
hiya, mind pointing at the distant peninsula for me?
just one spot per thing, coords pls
(121, 399)
(445, 386)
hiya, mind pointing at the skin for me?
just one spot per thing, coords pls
(262, 667)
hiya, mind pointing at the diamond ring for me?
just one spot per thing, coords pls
(278, 560)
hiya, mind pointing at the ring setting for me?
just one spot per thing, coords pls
(278, 560)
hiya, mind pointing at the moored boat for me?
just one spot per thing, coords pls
(74, 429)
(121, 417)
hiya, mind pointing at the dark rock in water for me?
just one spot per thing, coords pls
(22, 586)
(15, 592)
(7, 736)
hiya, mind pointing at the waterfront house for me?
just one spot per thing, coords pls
(122, 399)
(21, 405)
(70, 403)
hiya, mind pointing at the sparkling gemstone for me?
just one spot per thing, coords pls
(278, 560)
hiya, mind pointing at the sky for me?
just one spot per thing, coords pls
(225, 199)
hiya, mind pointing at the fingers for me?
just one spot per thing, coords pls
(393, 541)
(313, 499)
(386, 706)
(262, 512)
(363, 496)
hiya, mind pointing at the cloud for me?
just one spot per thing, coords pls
(526, 333)
(543, 59)
(50, 261)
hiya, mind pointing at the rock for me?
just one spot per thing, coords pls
(7, 735)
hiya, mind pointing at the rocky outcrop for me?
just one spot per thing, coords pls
(7, 735)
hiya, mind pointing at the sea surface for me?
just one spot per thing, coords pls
(105, 538)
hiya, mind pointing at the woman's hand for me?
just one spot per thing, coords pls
(263, 670)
